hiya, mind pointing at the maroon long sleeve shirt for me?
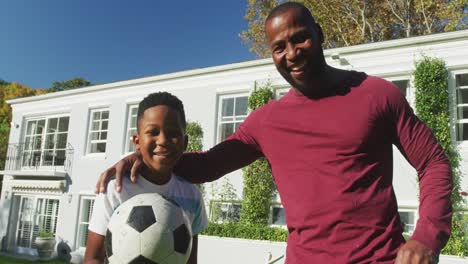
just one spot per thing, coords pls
(331, 159)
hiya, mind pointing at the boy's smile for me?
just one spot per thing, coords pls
(161, 141)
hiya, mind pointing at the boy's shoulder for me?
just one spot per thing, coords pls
(185, 186)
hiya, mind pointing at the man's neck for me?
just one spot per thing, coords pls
(324, 83)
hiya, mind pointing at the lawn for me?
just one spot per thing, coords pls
(10, 260)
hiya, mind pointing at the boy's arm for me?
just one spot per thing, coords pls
(95, 252)
(193, 254)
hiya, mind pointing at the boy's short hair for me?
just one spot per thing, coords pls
(161, 98)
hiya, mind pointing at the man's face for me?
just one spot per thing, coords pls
(161, 138)
(295, 48)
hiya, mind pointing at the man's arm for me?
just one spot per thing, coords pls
(419, 146)
(227, 156)
(95, 252)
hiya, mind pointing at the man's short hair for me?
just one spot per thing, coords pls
(282, 8)
(161, 98)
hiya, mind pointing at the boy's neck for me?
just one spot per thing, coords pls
(156, 177)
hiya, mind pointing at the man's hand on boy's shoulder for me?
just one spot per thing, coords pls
(130, 163)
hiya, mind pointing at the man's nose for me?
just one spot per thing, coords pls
(291, 52)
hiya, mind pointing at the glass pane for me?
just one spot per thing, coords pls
(40, 127)
(134, 111)
(26, 158)
(103, 135)
(462, 96)
(278, 216)
(36, 158)
(131, 146)
(407, 221)
(226, 130)
(37, 142)
(462, 132)
(95, 126)
(27, 143)
(402, 85)
(462, 112)
(96, 116)
(227, 107)
(60, 157)
(48, 158)
(50, 141)
(104, 125)
(52, 125)
(61, 141)
(462, 80)
(133, 121)
(63, 124)
(105, 115)
(94, 136)
(31, 127)
(241, 105)
(101, 147)
(237, 126)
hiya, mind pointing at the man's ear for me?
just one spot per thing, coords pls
(136, 141)
(185, 142)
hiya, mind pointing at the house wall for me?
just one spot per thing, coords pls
(199, 90)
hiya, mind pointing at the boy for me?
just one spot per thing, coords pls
(161, 141)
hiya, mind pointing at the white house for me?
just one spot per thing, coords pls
(61, 142)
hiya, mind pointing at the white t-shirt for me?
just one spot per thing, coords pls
(184, 193)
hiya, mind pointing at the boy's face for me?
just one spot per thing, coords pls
(161, 138)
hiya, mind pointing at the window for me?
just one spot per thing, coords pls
(86, 209)
(408, 221)
(278, 217)
(232, 111)
(402, 85)
(131, 128)
(45, 142)
(35, 214)
(462, 106)
(98, 127)
(221, 211)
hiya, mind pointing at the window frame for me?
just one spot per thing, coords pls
(80, 223)
(43, 135)
(127, 137)
(89, 131)
(415, 216)
(456, 106)
(236, 118)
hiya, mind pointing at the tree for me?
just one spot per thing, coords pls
(354, 22)
(69, 85)
(9, 91)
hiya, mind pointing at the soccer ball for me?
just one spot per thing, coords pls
(148, 228)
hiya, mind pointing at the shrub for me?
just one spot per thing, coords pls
(432, 105)
(246, 231)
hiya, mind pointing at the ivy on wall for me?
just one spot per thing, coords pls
(194, 132)
(258, 182)
(432, 106)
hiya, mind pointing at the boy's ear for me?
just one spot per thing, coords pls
(136, 141)
(185, 142)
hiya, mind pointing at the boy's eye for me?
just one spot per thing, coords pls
(154, 132)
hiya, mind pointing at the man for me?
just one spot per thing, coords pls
(329, 143)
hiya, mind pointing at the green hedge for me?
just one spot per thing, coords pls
(258, 182)
(247, 231)
(432, 105)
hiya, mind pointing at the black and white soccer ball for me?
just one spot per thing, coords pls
(148, 228)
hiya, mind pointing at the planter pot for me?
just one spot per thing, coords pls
(45, 247)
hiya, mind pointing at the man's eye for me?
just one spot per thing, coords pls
(299, 38)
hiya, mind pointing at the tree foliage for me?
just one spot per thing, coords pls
(354, 22)
(69, 85)
(432, 105)
(194, 132)
(9, 91)
(258, 181)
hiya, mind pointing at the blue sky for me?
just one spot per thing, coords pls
(105, 41)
